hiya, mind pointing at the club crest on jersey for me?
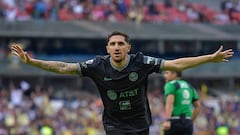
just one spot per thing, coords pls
(112, 95)
(133, 76)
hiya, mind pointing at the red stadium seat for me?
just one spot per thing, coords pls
(236, 16)
(160, 7)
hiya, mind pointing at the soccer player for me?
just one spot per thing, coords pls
(179, 97)
(122, 80)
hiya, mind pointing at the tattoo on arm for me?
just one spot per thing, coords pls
(57, 66)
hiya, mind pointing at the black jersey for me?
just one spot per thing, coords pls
(123, 92)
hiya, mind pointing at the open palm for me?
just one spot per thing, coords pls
(222, 56)
(18, 51)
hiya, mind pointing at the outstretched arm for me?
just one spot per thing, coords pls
(53, 66)
(185, 63)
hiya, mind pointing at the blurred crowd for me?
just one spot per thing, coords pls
(39, 111)
(155, 11)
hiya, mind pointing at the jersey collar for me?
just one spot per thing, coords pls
(120, 69)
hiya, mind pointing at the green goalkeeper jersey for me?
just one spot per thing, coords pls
(184, 96)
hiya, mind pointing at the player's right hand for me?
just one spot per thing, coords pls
(18, 51)
(166, 125)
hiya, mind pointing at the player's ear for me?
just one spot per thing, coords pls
(175, 73)
(129, 47)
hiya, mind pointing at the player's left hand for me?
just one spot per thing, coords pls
(166, 125)
(222, 56)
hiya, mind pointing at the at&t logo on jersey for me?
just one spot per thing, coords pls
(123, 94)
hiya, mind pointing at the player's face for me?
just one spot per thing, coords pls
(169, 76)
(118, 48)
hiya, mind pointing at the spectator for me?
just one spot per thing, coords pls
(22, 15)
(192, 14)
(153, 15)
(10, 14)
(9, 3)
(237, 6)
(16, 96)
(78, 10)
(122, 7)
(1, 9)
(136, 13)
(168, 3)
(222, 18)
(152, 10)
(97, 14)
(40, 9)
(88, 7)
(53, 10)
(113, 15)
(65, 13)
(227, 5)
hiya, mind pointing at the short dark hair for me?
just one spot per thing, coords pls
(178, 73)
(127, 39)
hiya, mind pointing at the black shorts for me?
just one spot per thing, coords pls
(144, 132)
(180, 127)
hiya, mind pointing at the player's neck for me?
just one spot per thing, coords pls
(120, 65)
(176, 79)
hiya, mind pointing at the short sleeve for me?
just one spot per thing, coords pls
(195, 95)
(169, 88)
(87, 67)
(155, 63)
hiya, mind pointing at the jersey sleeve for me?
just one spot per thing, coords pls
(169, 88)
(155, 64)
(195, 96)
(87, 68)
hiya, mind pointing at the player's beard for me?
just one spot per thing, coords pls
(118, 60)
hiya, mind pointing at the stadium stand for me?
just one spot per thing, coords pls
(79, 112)
(170, 11)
